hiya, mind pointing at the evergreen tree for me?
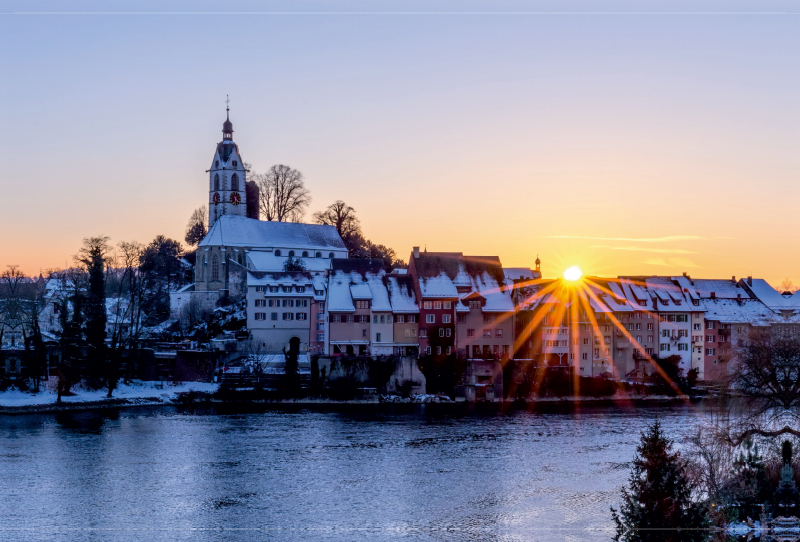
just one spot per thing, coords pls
(657, 504)
(93, 257)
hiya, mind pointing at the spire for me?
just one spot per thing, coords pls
(227, 126)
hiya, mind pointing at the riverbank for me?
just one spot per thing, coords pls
(181, 394)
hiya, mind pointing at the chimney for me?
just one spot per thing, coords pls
(684, 273)
(749, 281)
(416, 252)
(733, 279)
(713, 295)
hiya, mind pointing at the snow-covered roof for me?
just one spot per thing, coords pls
(360, 291)
(401, 294)
(773, 299)
(378, 293)
(261, 260)
(339, 299)
(744, 311)
(439, 286)
(722, 289)
(520, 273)
(238, 231)
(279, 279)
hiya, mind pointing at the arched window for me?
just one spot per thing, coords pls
(291, 253)
(330, 255)
(214, 267)
(319, 255)
(277, 253)
(235, 183)
(216, 181)
(305, 254)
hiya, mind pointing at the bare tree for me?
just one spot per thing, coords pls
(283, 196)
(196, 228)
(787, 285)
(341, 216)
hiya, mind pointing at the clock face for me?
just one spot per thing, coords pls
(236, 199)
(216, 198)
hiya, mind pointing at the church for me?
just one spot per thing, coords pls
(240, 250)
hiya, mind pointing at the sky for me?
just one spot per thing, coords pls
(628, 138)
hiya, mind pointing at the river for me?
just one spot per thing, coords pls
(424, 472)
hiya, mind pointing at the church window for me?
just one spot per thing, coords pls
(216, 181)
(214, 268)
(319, 255)
(235, 163)
(291, 253)
(330, 255)
(277, 253)
(305, 254)
(216, 164)
(235, 183)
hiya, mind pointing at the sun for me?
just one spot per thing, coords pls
(573, 273)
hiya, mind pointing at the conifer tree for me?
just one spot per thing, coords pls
(657, 504)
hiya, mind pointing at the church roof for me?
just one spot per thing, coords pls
(238, 231)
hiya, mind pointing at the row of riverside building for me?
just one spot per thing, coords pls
(448, 303)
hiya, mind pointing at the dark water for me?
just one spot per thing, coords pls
(380, 473)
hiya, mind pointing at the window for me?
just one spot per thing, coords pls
(447, 305)
(374, 318)
(408, 332)
(663, 317)
(305, 254)
(446, 318)
(214, 267)
(437, 304)
(585, 341)
(400, 319)
(438, 350)
(261, 302)
(498, 332)
(683, 346)
(462, 318)
(649, 338)
(261, 288)
(287, 289)
(336, 318)
(235, 181)
(597, 352)
(274, 289)
(330, 255)
(665, 333)
(630, 327)
(639, 339)
(235, 163)
(495, 349)
(301, 303)
(411, 318)
(216, 180)
(709, 351)
(320, 337)
(584, 356)
(350, 319)
(709, 338)
(300, 289)
(301, 316)
(423, 332)
(448, 332)
(441, 332)
(664, 347)
(277, 253)
(414, 332)
(696, 327)
(638, 327)
(388, 318)
(607, 340)
(288, 316)
(470, 333)
(682, 318)
(430, 318)
(362, 304)
(291, 253)
(448, 350)
(709, 325)
(364, 319)
(649, 327)
(288, 303)
(427, 304)
(682, 333)
(378, 337)
(261, 316)
(487, 332)
(487, 318)
(320, 325)
(363, 332)
(216, 164)
(545, 320)
(474, 305)
(273, 316)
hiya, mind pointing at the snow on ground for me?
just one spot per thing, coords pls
(136, 390)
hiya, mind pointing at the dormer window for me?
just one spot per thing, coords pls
(273, 289)
(235, 163)
(287, 289)
(330, 255)
(300, 289)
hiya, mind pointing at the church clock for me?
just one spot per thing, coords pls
(236, 199)
(216, 198)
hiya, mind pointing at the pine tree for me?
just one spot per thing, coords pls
(657, 503)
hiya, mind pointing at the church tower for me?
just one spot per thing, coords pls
(227, 194)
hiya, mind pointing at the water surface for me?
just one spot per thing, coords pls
(425, 472)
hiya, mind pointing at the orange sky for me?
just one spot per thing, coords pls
(624, 145)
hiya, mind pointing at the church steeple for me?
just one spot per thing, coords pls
(227, 126)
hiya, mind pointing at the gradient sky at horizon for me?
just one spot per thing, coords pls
(621, 142)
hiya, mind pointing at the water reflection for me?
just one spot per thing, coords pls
(303, 474)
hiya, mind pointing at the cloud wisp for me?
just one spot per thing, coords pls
(643, 249)
(666, 239)
(671, 262)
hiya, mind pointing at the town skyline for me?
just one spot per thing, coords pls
(617, 151)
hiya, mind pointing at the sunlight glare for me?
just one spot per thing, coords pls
(573, 273)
